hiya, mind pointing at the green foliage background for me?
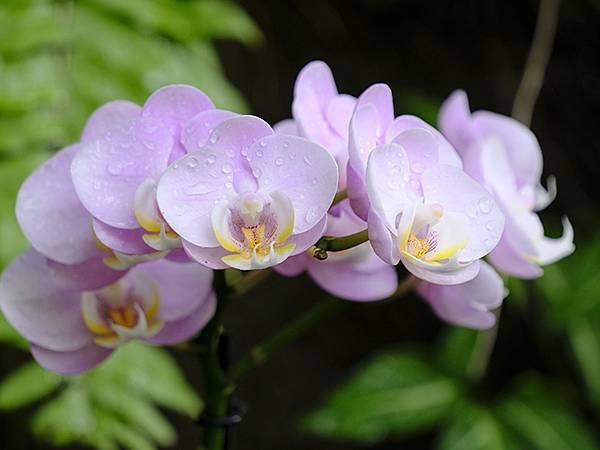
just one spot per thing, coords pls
(59, 60)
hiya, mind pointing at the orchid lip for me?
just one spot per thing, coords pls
(434, 237)
(118, 314)
(254, 228)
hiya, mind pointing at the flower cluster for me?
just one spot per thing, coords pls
(126, 224)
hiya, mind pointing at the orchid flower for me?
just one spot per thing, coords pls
(75, 315)
(124, 150)
(505, 156)
(372, 125)
(321, 114)
(354, 274)
(468, 304)
(249, 198)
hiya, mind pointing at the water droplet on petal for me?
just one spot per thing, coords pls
(259, 153)
(279, 162)
(308, 160)
(415, 185)
(292, 155)
(256, 172)
(485, 205)
(286, 144)
(311, 214)
(228, 185)
(263, 144)
(491, 225)
(192, 162)
(471, 211)
(227, 168)
(396, 171)
(210, 159)
(214, 138)
(417, 168)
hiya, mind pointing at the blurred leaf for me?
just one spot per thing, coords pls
(571, 289)
(584, 337)
(396, 393)
(111, 407)
(456, 350)
(61, 60)
(66, 418)
(474, 428)
(26, 385)
(153, 374)
(543, 420)
(421, 106)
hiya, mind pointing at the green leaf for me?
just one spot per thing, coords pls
(456, 350)
(584, 337)
(116, 405)
(65, 419)
(141, 413)
(472, 427)
(152, 373)
(395, 393)
(27, 384)
(543, 420)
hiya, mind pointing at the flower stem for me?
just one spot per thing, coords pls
(337, 244)
(340, 196)
(217, 387)
(537, 61)
(261, 353)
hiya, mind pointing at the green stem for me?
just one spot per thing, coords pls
(217, 387)
(482, 351)
(337, 244)
(340, 196)
(260, 354)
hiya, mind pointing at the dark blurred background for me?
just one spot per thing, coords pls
(423, 50)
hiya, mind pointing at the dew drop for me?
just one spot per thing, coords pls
(279, 162)
(485, 205)
(396, 171)
(210, 159)
(491, 225)
(415, 185)
(417, 168)
(286, 144)
(263, 144)
(256, 172)
(175, 166)
(292, 155)
(308, 160)
(227, 168)
(192, 162)
(214, 138)
(259, 153)
(471, 211)
(311, 214)
(228, 185)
